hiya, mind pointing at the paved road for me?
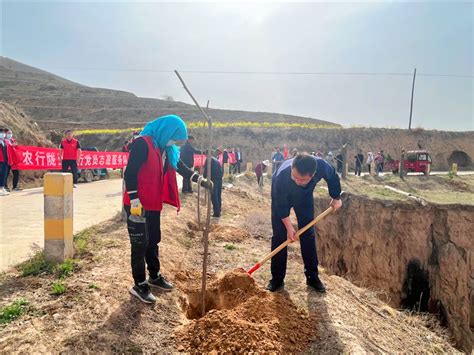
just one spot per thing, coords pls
(22, 216)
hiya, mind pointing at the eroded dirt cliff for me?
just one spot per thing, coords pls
(421, 258)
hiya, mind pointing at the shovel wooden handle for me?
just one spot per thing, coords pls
(285, 244)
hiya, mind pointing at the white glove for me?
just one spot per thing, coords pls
(135, 202)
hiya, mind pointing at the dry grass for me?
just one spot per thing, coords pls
(435, 189)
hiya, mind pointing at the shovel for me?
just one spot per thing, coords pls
(284, 245)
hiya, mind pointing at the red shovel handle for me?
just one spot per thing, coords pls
(284, 245)
(254, 268)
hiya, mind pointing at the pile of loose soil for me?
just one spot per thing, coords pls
(244, 318)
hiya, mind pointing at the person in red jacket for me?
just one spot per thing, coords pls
(11, 144)
(70, 154)
(150, 181)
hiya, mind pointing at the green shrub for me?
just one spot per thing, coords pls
(65, 269)
(12, 311)
(58, 288)
(230, 247)
(82, 240)
(36, 265)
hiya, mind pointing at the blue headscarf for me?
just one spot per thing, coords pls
(162, 130)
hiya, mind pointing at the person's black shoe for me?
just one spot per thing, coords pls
(17, 189)
(161, 283)
(143, 293)
(275, 285)
(7, 189)
(216, 215)
(316, 284)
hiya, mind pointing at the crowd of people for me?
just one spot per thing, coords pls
(370, 160)
(7, 161)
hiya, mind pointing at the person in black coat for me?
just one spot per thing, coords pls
(187, 157)
(216, 178)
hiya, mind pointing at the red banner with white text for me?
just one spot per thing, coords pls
(38, 158)
(199, 159)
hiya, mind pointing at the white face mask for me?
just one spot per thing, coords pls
(2, 135)
(9, 136)
(170, 143)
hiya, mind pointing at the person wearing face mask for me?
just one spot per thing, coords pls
(292, 187)
(11, 144)
(3, 163)
(70, 154)
(150, 181)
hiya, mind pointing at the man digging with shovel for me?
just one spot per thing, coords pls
(292, 187)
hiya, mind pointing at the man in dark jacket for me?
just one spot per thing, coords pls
(187, 157)
(359, 159)
(216, 178)
(292, 187)
(238, 158)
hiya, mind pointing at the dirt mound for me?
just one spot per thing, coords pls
(244, 318)
(24, 129)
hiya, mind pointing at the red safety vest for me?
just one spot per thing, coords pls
(10, 151)
(154, 187)
(69, 149)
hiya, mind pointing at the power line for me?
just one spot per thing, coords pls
(263, 72)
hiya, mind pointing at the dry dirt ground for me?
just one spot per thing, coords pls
(96, 313)
(438, 189)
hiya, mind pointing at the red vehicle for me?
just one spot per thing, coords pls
(416, 161)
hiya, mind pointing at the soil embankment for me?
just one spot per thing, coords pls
(420, 257)
(257, 143)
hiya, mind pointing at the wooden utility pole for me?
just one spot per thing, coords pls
(402, 164)
(205, 232)
(411, 104)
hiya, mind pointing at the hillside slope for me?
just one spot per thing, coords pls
(55, 102)
(257, 143)
(24, 129)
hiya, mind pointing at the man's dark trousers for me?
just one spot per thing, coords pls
(187, 187)
(216, 197)
(358, 169)
(144, 238)
(66, 164)
(305, 214)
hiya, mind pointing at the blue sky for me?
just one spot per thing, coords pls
(68, 38)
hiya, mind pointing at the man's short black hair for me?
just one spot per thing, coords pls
(68, 131)
(2, 129)
(305, 164)
(190, 137)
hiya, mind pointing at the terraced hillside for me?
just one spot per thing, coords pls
(54, 102)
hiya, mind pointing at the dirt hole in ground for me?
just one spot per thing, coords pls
(242, 317)
(416, 288)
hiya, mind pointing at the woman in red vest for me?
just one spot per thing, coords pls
(70, 154)
(150, 181)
